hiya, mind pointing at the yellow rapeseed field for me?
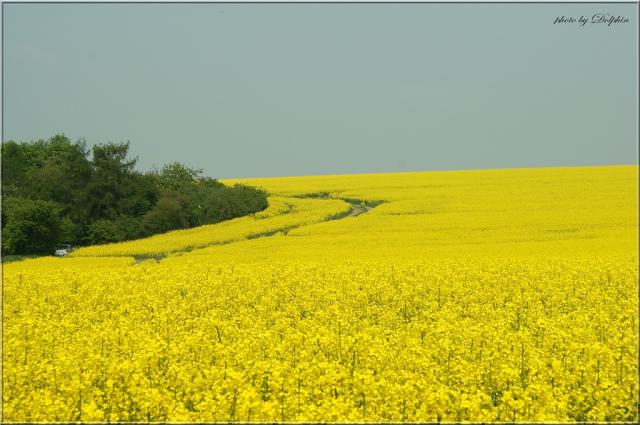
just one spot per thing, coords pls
(496, 295)
(281, 215)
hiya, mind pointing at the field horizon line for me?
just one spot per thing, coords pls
(458, 170)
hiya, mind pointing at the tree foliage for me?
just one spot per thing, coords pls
(57, 191)
(32, 226)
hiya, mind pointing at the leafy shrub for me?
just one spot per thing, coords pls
(32, 226)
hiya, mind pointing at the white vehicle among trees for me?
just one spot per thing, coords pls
(63, 250)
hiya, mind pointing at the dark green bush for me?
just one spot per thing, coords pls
(30, 226)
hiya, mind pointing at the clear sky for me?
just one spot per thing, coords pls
(244, 90)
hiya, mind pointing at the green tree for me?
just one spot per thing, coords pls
(103, 231)
(167, 214)
(14, 165)
(130, 227)
(32, 226)
(55, 170)
(112, 173)
(97, 196)
(176, 176)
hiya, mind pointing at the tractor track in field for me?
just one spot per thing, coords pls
(357, 210)
(358, 207)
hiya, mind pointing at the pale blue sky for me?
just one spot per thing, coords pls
(245, 90)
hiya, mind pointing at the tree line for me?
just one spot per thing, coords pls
(56, 191)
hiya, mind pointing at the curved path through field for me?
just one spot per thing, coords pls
(358, 207)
